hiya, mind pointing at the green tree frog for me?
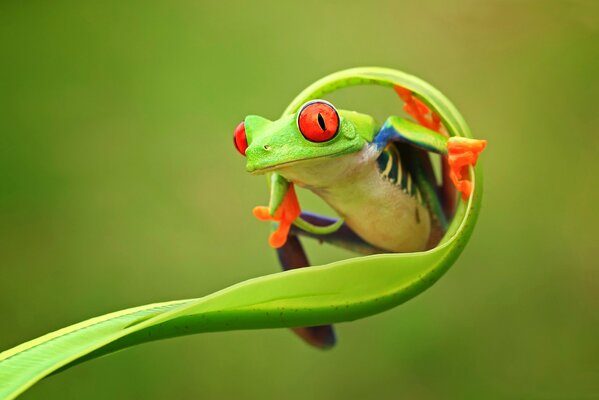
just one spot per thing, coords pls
(380, 180)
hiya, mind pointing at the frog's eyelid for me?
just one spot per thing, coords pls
(306, 104)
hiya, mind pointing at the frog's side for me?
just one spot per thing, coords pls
(379, 181)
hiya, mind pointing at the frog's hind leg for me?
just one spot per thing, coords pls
(343, 237)
(291, 256)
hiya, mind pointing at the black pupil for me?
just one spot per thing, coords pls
(321, 122)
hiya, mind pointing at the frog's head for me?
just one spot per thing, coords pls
(316, 131)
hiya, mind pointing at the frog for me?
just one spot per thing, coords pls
(379, 179)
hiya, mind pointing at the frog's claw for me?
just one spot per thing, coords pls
(285, 214)
(462, 153)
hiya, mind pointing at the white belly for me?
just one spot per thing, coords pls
(376, 209)
(381, 213)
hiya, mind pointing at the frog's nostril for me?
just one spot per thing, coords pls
(266, 147)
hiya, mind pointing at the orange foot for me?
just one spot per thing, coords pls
(462, 153)
(287, 212)
(418, 110)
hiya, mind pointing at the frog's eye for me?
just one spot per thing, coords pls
(240, 139)
(318, 121)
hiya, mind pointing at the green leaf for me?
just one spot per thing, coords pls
(342, 291)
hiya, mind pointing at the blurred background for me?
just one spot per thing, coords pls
(120, 186)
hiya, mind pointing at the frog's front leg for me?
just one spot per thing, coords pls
(461, 152)
(283, 208)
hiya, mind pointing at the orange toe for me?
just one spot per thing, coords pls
(279, 237)
(467, 147)
(262, 213)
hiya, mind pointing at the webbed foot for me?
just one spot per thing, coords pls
(285, 214)
(462, 153)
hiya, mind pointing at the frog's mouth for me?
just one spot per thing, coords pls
(263, 169)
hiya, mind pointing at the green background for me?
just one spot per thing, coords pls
(120, 186)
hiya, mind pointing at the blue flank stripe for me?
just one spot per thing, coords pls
(386, 135)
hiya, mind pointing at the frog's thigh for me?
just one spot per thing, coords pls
(344, 237)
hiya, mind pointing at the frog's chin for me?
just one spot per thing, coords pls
(286, 164)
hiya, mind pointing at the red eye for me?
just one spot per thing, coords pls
(318, 121)
(239, 139)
